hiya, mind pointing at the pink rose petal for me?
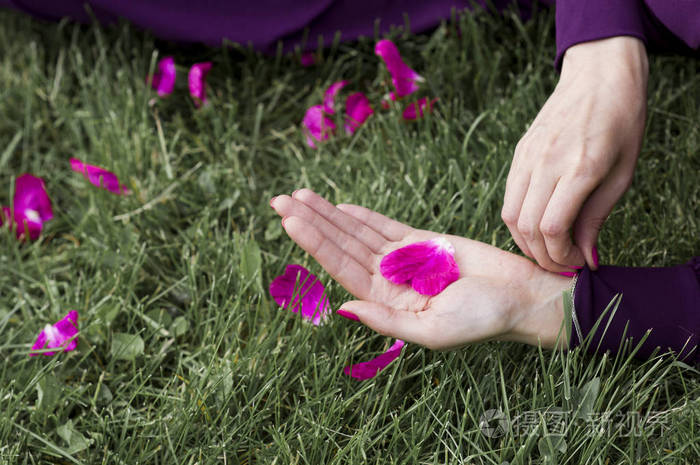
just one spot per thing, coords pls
(196, 80)
(370, 368)
(358, 109)
(99, 177)
(164, 79)
(58, 335)
(428, 266)
(404, 78)
(317, 125)
(308, 59)
(31, 207)
(298, 287)
(416, 110)
(329, 96)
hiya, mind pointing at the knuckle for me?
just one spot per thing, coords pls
(552, 229)
(527, 230)
(509, 216)
(520, 147)
(585, 171)
(589, 166)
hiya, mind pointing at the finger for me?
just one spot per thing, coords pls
(534, 206)
(388, 321)
(558, 220)
(516, 189)
(391, 230)
(596, 210)
(343, 222)
(286, 206)
(340, 265)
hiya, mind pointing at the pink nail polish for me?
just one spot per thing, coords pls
(272, 200)
(576, 267)
(568, 274)
(594, 252)
(348, 315)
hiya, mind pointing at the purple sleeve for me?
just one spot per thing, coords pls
(585, 20)
(663, 300)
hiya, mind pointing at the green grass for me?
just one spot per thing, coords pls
(237, 380)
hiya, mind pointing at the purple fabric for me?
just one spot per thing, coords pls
(670, 25)
(665, 300)
(264, 22)
(663, 25)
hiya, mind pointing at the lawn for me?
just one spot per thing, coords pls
(183, 262)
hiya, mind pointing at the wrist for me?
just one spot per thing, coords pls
(539, 318)
(621, 57)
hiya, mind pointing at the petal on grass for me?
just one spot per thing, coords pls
(418, 109)
(428, 266)
(163, 80)
(329, 96)
(196, 80)
(99, 177)
(31, 206)
(404, 78)
(370, 368)
(60, 335)
(299, 289)
(317, 125)
(357, 109)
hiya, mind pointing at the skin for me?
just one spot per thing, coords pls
(578, 156)
(569, 169)
(499, 295)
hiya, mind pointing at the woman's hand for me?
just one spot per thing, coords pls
(499, 295)
(578, 156)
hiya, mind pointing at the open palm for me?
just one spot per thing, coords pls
(350, 241)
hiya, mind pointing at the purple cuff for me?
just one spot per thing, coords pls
(586, 20)
(663, 300)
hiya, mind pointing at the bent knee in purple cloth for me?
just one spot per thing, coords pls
(264, 23)
(664, 301)
(667, 26)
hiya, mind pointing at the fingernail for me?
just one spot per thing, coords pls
(272, 200)
(568, 274)
(348, 315)
(576, 267)
(283, 220)
(594, 252)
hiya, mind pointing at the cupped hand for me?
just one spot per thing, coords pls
(578, 157)
(499, 295)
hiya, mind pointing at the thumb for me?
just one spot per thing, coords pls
(400, 324)
(594, 213)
